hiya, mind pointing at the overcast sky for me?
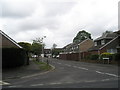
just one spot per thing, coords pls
(58, 20)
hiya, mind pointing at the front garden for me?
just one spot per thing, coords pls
(104, 58)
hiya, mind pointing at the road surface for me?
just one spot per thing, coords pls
(70, 74)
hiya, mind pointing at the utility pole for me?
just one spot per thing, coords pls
(43, 48)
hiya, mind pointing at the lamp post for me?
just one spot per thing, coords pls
(43, 48)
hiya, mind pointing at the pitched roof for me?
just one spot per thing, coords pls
(94, 48)
(110, 35)
(76, 44)
(67, 45)
(118, 32)
(5, 35)
(99, 47)
(109, 42)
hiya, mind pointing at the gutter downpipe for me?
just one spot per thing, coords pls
(99, 54)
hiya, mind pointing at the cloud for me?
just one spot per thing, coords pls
(17, 8)
(58, 8)
(59, 20)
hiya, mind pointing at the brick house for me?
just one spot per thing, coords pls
(12, 53)
(76, 51)
(108, 42)
(8, 42)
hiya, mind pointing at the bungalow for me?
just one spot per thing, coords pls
(7, 42)
(76, 51)
(12, 53)
(108, 42)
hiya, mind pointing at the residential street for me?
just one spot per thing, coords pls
(70, 74)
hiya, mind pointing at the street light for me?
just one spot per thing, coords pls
(43, 48)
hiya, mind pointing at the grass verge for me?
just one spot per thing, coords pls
(43, 65)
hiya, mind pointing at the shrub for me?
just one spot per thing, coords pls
(106, 55)
(13, 57)
(117, 56)
(87, 57)
(94, 57)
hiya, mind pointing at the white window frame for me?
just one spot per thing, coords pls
(95, 43)
(102, 42)
(112, 51)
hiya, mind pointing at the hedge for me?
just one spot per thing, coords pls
(94, 57)
(13, 57)
(111, 56)
(117, 56)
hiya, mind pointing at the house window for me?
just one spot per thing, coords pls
(102, 42)
(76, 47)
(95, 43)
(72, 48)
(112, 51)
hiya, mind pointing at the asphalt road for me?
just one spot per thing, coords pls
(70, 74)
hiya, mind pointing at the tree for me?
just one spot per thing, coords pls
(37, 47)
(26, 46)
(107, 32)
(54, 46)
(55, 51)
(82, 35)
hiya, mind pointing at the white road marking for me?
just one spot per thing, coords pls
(59, 63)
(99, 72)
(105, 80)
(12, 86)
(91, 81)
(111, 74)
(67, 65)
(107, 74)
(82, 68)
(69, 82)
(75, 66)
(37, 84)
(55, 83)
(4, 83)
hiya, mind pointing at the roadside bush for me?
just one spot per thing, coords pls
(94, 57)
(13, 57)
(106, 55)
(87, 57)
(117, 56)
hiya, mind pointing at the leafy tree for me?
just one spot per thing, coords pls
(55, 52)
(26, 46)
(82, 35)
(54, 46)
(36, 48)
(107, 32)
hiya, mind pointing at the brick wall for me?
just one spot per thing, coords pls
(86, 45)
(72, 56)
(93, 52)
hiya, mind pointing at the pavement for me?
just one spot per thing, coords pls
(13, 73)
